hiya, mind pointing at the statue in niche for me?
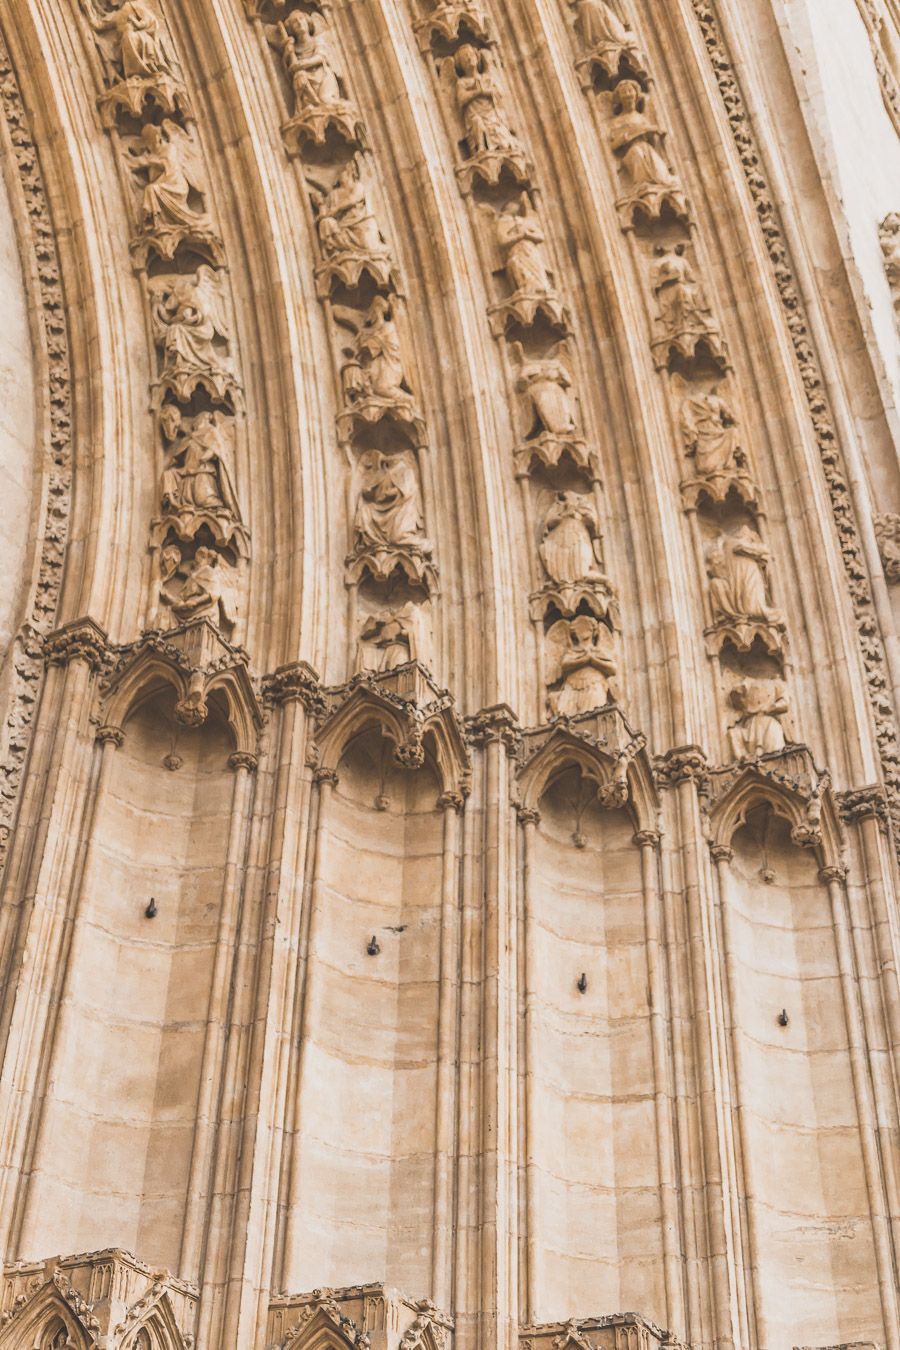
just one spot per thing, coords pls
(711, 439)
(490, 142)
(546, 383)
(637, 142)
(348, 232)
(389, 640)
(203, 587)
(172, 200)
(373, 376)
(607, 38)
(758, 730)
(140, 67)
(571, 551)
(684, 318)
(737, 567)
(522, 245)
(198, 479)
(319, 101)
(188, 316)
(586, 661)
(571, 544)
(388, 527)
(388, 510)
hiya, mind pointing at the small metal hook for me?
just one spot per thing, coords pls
(783, 1018)
(582, 983)
(373, 947)
(151, 911)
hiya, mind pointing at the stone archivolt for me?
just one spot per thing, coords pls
(492, 834)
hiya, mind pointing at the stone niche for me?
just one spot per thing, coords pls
(113, 1156)
(369, 1125)
(599, 1238)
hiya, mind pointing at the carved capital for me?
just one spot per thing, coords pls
(683, 764)
(109, 734)
(528, 815)
(498, 723)
(240, 759)
(830, 874)
(325, 776)
(858, 804)
(80, 640)
(721, 853)
(451, 801)
(294, 681)
(648, 838)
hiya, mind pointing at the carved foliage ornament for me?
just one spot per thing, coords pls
(26, 652)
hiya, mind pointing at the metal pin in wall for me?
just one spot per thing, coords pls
(582, 983)
(783, 1018)
(373, 947)
(151, 910)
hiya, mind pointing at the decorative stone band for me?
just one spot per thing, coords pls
(814, 387)
(52, 528)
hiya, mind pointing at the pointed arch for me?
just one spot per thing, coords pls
(157, 1328)
(39, 1322)
(416, 731)
(622, 773)
(811, 814)
(322, 1328)
(194, 676)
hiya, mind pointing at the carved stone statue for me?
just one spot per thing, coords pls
(167, 160)
(349, 234)
(737, 566)
(206, 590)
(198, 483)
(889, 237)
(712, 441)
(570, 544)
(522, 246)
(684, 319)
(387, 641)
(191, 329)
(606, 38)
(586, 661)
(887, 533)
(571, 551)
(490, 142)
(388, 509)
(553, 422)
(388, 526)
(373, 375)
(758, 730)
(319, 100)
(547, 384)
(638, 142)
(140, 68)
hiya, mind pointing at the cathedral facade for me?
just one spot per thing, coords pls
(450, 674)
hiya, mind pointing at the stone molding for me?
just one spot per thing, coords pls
(827, 440)
(53, 356)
